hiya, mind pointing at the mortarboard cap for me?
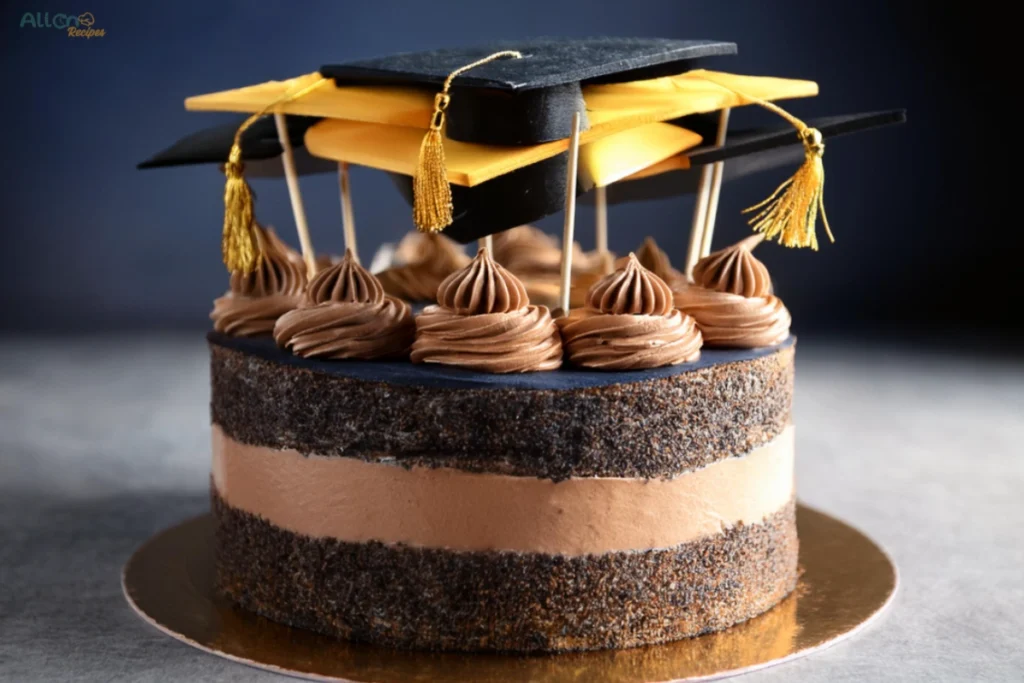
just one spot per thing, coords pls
(531, 99)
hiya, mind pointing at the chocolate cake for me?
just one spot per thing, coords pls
(485, 498)
(438, 508)
(608, 465)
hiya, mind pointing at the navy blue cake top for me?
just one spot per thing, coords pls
(440, 376)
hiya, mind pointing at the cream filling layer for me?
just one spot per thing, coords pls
(357, 501)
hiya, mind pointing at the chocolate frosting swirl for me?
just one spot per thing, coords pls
(654, 259)
(527, 251)
(734, 270)
(345, 314)
(431, 249)
(536, 258)
(410, 283)
(484, 321)
(279, 271)
(732, 302)
(345, 282)
(424, 261)
(633, 289)
(482, 287)
(256, 300)
(629, 323)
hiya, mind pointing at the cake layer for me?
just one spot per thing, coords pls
(567, 423)
(402, 596)
(356, 501)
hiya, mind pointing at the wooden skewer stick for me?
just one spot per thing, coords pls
(292, 178)
(568, 227)
(601, 226)
(487, 243)
(702, 202)
(348, 218)
(700, 209)
(716, 186)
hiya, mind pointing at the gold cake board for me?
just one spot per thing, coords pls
(847, 581)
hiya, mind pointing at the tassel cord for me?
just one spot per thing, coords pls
(432, 209)
(239, 244)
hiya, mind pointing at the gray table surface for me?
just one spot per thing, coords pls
(104, 441)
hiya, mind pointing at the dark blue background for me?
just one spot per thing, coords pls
(91, 243)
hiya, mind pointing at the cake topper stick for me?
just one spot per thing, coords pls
(570, 214)
(348, 218)
(432, 195)
(487, 242)
(700, 209)
(292, 179)
(601, 227)
(716, 186)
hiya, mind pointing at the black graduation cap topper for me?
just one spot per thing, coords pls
(529, 99)
(528, 94)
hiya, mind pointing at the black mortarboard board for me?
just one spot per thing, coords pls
(530, 100)
(261, 148)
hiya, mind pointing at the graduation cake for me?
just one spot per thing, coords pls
(562, 450)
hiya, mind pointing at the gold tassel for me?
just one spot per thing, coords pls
(239, 244)
(791, 212)
(432, 195)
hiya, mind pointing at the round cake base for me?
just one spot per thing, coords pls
(847, 581)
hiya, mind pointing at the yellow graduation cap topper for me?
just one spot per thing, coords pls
(432, 195)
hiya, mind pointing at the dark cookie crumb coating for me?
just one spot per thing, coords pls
(650, 428)
(400, 596)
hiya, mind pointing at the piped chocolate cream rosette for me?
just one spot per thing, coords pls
(630, 323)
(732, 301)
(527, 250)
(255, 301)
(483, 321)
(423, 261)
(654, 259)
(535, 257)
(346, 314)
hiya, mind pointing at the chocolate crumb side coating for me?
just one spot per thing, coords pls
(651, 428)
(396, 595)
